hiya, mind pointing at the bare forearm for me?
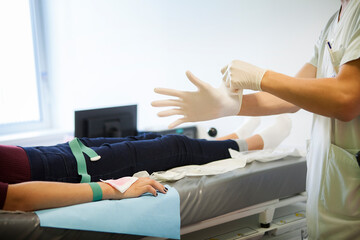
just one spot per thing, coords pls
(310, 94)
(333, 97)
(41, 195)
(263, 103)
(30, 196)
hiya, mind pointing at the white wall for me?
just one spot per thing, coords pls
(114, 52)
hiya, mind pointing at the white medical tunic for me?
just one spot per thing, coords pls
(333, 180)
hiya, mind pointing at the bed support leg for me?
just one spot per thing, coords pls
(266, 217)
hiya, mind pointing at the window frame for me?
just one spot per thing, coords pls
(38, 38)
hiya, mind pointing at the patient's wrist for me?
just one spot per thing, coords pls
(109, 192)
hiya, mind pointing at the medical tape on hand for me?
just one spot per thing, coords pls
(121, 184)
(97, 191)
(78, 148)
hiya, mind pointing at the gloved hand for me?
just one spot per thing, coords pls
(241, 75)
(204, 104)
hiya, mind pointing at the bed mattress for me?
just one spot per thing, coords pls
(201, 198)
(210, 196)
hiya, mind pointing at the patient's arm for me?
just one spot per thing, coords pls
(30, 196)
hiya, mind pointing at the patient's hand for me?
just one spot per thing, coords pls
(141, 186)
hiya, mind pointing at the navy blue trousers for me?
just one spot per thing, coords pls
(125, 156)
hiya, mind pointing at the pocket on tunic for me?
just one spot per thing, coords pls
(336, 58)
(341, 187)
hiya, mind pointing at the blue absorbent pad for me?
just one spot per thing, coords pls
(146, 216)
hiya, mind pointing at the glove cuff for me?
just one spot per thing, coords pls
(259, 76)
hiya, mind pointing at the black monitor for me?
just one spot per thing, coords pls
(106, 122)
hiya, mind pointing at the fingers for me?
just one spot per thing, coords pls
(196, 81)
(176, 93)
(152, 186)
(141, 186)
(223, 70)
(147, 189)
(167, 103)
(177, 123)
(170, 112)
(225, 78)
(169, 92)
(158, 186)
(173, 112)
(227, 82)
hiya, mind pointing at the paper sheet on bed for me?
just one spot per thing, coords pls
(237, 160)
(147, 216)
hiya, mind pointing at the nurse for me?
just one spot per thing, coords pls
(328, 86)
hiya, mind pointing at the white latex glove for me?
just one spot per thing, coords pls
(204, 104)
(241, 75)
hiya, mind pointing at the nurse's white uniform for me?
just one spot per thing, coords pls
(333, 180)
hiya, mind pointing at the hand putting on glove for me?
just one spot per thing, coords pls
(239, 75)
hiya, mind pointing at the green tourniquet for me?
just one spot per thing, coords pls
(78, 148)
(97, 192)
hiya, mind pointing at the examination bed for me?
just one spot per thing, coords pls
(205, 201)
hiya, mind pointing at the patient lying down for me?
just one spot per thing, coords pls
(34, 178)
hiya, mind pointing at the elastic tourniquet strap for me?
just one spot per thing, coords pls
(78, 148)
(97, 192)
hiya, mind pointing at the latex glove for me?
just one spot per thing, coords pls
(204, 104)
(241, 75)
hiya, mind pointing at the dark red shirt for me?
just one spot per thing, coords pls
(14, 168)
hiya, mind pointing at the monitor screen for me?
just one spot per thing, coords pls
(106, 122)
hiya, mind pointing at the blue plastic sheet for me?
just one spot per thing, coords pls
(146, 215)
